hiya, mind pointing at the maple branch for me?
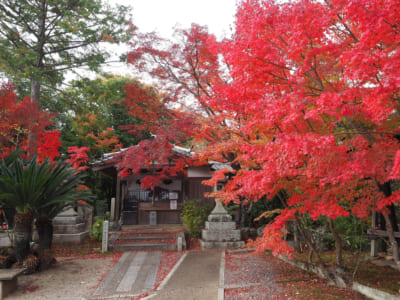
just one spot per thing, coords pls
(364, 132)
(394, 26)
(272, 63)
(343, 23)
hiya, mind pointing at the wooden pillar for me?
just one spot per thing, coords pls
(118, 199)
(112, 210)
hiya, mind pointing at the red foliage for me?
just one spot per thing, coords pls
(188, 69)
(308, 112)
(78, 157)
(19, 119)
(156, 154)
(168, 261)
(48, 144)
(314, 95)
(31, 289)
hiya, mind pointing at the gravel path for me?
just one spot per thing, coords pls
(68, 279)
(250, 276)
(258, 276)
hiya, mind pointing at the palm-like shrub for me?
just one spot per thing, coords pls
(37, 190)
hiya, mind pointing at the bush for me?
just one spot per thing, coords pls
(96, 231)
(193, 216)
(353, 231)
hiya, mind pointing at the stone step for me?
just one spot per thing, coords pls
(220, 225)
(221, 235)
(144, 246)
(148, 232)
(220, 245)
(138, 237)
(68, 228)
(219, 218)
(149, 237)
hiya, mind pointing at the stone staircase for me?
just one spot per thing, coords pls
(136, 238)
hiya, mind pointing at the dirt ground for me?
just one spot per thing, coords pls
(68, 279)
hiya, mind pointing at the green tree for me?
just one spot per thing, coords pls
(93, 112)
(97, 105)
(40, 40)
(37, 190)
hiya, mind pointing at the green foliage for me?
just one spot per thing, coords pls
(353, 231)
(262, 206)
(193, 216)
(46, 188)
(97, 105)
(41, 39)
(231, 209)
(96, 231)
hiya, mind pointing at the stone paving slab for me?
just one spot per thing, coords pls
(135, 273)
(197, 276)
(127, 282)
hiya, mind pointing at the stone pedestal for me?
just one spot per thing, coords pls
(220, 231)
(69, 228)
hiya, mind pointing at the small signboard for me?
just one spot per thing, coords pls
(173, 204)
(173, 195)
(153, 218)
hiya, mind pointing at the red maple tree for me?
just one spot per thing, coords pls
(167, 126)
(189, 70)
(21, 119)
(314, 93)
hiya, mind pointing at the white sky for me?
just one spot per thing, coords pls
(162, 15)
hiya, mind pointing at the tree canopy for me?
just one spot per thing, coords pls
(41, 40)
(309, 107)
(316, 97)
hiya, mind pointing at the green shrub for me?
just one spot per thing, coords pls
(193, 216)
(231, 209)
(353, 231)
(96, 231)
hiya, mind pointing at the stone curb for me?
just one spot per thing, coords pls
(370, 292)
(221, 289)
(243, 250)
(373, 293)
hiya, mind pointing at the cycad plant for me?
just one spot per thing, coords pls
(58, 193)
(37, 190)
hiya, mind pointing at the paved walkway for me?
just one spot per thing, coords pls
(196, 276)
(135, 273)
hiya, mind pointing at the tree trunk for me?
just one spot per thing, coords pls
(35, 92)
(44, 226)
(22, 234)
(391, 222)
(308, 239)
(338, 244)
(245, 211)
(35, 96)
(392, 239)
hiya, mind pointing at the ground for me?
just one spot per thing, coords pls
(69, 278)
(262, 276)
(80, 270)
